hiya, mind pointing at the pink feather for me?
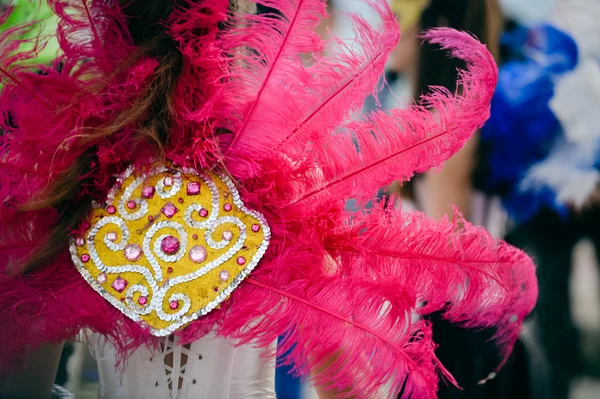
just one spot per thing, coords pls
(286, 82)
(53, 305)
(476, 280)
(91, 31)
(364, 155)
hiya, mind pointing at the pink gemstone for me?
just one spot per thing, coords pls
(101, 279)
(119, 284)
(241, 260)
(150, 218)
(111, 210)
(227, 235)
(168, 181)
(111, 236)
(197, 254)
(142, 300)
(180, 200)
(224, 275)
(148, 191)
(133, 252)
(170, 270)
(85, 258)
(80, 241)
(203, 213)
(255, 228)
(169, 210)
(216, 289)
(174, 305)
(193, 188)
(227, 207)
(170, 245)
(195, 236)
(131, 204)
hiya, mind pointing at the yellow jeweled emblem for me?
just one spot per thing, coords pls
(170, 245)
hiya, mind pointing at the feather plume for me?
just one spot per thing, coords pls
(365, 155)
(569, 174)
(53, 305)
(91, 31)
(291, 81)
(200, 99)
(333, 329)
(12, 55)
(476, 280)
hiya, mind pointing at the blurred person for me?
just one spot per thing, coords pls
(178, 187)
(547, 100)
(467, 354)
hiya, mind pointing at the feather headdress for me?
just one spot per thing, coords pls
(261, 101)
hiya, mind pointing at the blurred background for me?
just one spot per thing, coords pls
(530, 176)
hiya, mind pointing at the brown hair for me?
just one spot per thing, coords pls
(152, 115)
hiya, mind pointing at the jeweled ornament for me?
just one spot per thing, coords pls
(101, 278)
(133, 252)
(170, 245)
(227, 235)
(169, 210)
(148, 192)
(224, 275)
(198, 254)
(193, 188)
(119, 284)
(128, 250)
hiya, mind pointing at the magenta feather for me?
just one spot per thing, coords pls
(364, 155)
(12, 55)
(476, 280)
(53, 305)
(91, 32)
(319, 89)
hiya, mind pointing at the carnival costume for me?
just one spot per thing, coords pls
(240, 228)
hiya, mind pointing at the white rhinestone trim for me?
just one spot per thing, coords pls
(135, 306)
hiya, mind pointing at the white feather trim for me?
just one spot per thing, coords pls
(576, 102)
(568, 171)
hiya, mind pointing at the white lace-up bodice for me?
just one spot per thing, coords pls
(209, 368)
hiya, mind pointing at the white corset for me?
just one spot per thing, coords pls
(214, 368)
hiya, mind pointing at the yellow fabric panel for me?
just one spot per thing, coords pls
(202, 290)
